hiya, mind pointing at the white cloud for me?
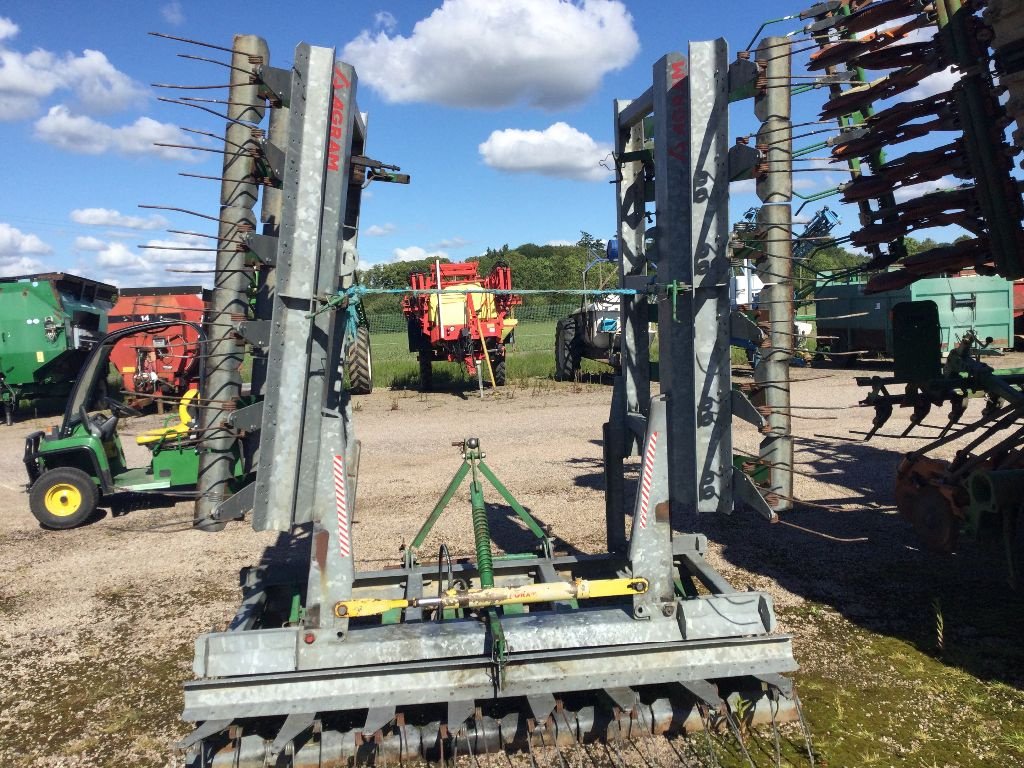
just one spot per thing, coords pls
(168, 264)
(15, 243)
(7, 28)
(378, 230)
(107, 217)
(11, 266)
(26, 79)
(902, 194)
(173, 14)
(415, 253)
(932, 85)
(560, 242)
(89, 244)
(385, 20)
(83, 135)
(451, 243)
(481, 53)
(120, 256)
(559, 150)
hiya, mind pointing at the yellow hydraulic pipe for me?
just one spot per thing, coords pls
(548, 592)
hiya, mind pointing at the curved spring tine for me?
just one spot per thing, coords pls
(803, 727)
(773, 707)
(554, 744)
(705, 718)
(735, 728)
(619, 759)
(648, 734)
(580, 750)
(469, 744)
(529, 744)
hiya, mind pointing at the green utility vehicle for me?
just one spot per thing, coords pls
(76, 464)
(48, 324)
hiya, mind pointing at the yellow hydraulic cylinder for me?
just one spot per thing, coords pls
(548, 592)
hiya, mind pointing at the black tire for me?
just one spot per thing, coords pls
(426, 372)
(567, 359)
(360, 363)
(498, 366)
(63, 497)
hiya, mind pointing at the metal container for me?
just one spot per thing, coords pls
(48, 324)
(862, 323)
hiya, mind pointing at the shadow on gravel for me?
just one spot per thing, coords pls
(868, 564)
(880, 578)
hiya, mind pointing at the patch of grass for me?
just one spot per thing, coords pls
(873, 699)
(532, 356)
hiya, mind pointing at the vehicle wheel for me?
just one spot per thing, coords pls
(360, 363)
(426, 373)
(498, 366)
(566, 358)
(63, 497)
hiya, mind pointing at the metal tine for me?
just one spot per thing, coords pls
(804, 729)
(773, 707)
(529, 743)
(198, 132)
(200, 43)
(614, 745)
(185, 210)
(544, 743)
(705, 718)
(647, 733)
(574, 732)
(213, 61)
(244, 123)
(734, 726)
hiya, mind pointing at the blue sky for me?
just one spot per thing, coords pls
(500, 111)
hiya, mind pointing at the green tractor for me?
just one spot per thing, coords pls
(81, 461)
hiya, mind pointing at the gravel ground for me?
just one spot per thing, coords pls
(97, 624)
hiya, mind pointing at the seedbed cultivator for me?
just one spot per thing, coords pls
(454, 315)
(533, 651)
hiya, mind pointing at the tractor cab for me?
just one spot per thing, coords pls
(83, 459)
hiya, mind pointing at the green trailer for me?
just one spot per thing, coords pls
(853, 323)
(48, 324)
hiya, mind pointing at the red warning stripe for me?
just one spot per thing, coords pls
(341, 502)
(648, 477)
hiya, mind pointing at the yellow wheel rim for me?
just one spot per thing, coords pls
(62, 499)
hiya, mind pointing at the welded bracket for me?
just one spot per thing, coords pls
(276, 85)
(263, 247)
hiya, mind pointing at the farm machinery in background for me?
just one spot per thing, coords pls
(48, 324)
(978, 493)
(455, 315)
(958, 132)
(440, 657)
(591, 332)
(164, 362)
(74, 466)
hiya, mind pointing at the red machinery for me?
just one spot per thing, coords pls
(163, 362)
(457, 319)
